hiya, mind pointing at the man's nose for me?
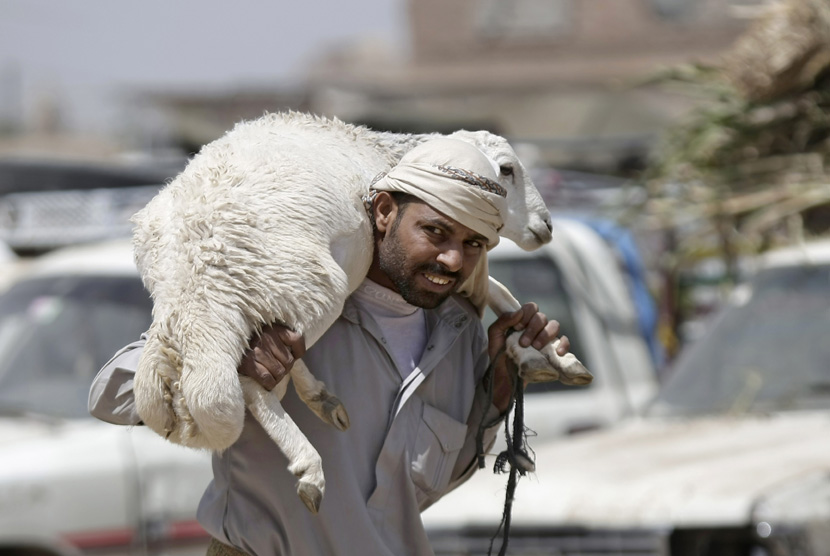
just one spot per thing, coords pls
(452, 258)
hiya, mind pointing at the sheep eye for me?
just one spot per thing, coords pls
(506, 170)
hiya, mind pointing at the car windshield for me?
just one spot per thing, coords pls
(767, 351)
(538, 278)
(57, 332)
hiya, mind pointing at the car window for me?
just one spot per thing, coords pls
(538, 279)
(57, 332)
(767, 351)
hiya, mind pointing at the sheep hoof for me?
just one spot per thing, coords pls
(547, 365)
(308, 468)
(537, 369)
(571, 370)
(311, 496)
(336, 413)
(575, 374)
(532, 365)
(330, 409)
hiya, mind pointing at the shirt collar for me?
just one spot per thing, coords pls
(455, 311)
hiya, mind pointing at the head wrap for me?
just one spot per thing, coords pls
(456, 179)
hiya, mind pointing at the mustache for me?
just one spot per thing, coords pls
(439, 270)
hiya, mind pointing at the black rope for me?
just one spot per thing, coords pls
(516, 457)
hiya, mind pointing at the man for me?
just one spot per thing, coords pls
(408, 358)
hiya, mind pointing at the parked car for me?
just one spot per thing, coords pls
(70, 484)
(731, 457)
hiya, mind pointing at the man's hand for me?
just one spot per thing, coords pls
(538, 332)
(271, 355)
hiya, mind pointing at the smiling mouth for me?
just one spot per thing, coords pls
(438, 280)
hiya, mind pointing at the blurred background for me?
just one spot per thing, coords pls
(617, 106)
(676, 142)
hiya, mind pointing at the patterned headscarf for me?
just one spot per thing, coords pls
(456, 179)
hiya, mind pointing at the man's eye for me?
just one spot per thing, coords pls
(475, 243)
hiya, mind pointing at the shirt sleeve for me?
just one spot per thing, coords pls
(111, 397)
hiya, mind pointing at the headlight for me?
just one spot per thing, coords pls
(796, 516)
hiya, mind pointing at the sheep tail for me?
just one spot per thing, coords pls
(165, 406)
(157, 386)
(174, 403)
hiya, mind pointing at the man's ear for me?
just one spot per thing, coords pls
(385, 209)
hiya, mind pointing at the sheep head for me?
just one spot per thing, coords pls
(528, 219)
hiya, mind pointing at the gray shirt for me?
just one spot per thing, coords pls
(410, 442)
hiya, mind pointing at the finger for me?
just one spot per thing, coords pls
(497, 331)
(271, 360)
(534, 327)
(564, 345)
(265, 376)
(527, 311)
(248, 367)
(275, 354)
(504, 323)
(547, 335)
(264, 359)
(294, 341)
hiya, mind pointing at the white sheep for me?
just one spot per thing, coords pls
(264, 225)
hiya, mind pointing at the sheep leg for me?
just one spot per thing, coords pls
(304, 461)
(534, 365)
(322, 402)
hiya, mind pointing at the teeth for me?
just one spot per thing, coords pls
(437, 280)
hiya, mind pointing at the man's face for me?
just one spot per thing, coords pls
(427, 255)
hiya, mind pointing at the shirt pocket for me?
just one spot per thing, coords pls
(439, 439)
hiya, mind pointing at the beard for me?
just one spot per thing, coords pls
(402, 273)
